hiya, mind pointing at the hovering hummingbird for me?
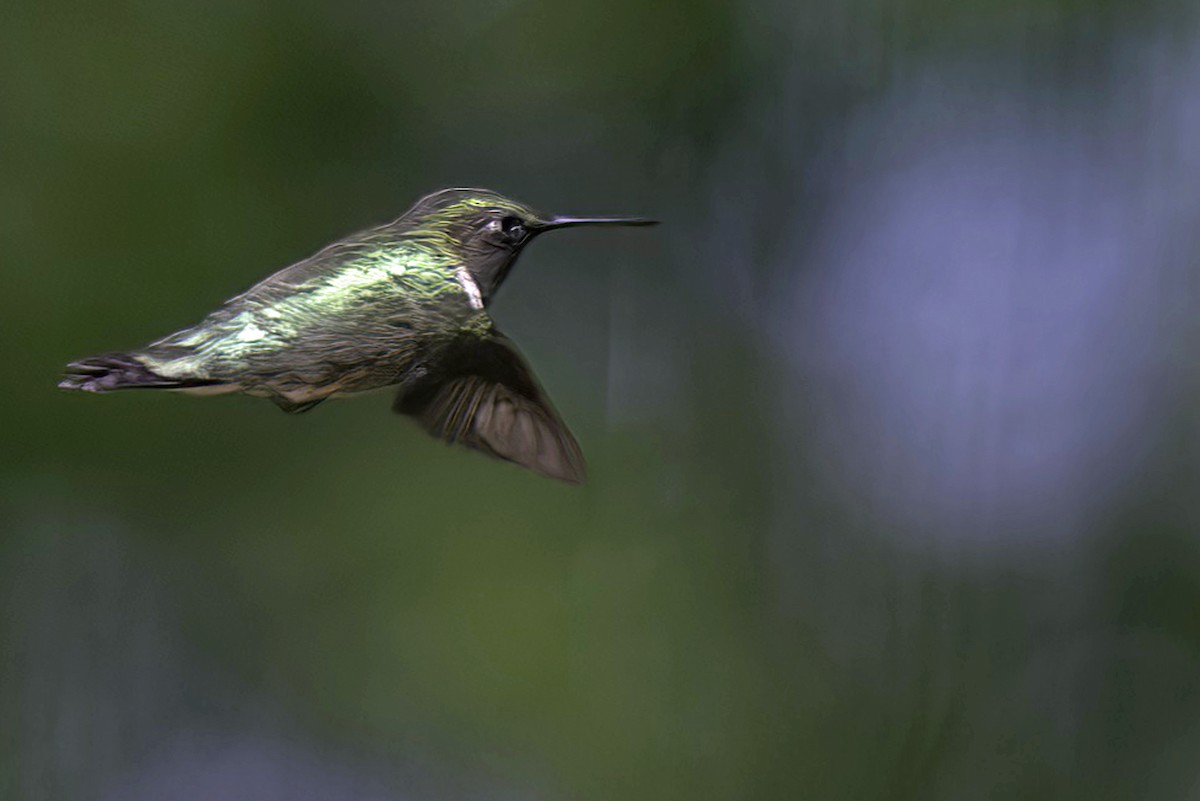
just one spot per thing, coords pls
(400, 304)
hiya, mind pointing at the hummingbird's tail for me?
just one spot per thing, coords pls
(112, 371)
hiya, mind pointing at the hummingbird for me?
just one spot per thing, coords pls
(402, 304)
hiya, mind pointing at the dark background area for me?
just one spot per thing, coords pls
(891, 425)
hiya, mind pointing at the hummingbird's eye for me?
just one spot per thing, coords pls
(513, 228)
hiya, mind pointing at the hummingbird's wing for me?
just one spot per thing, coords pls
(485, 396)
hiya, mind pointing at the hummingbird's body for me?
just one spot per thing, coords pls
(400, 304)
(358, 315)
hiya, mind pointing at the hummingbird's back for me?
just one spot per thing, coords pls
(356, 316)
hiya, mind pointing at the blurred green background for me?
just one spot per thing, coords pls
(891, 425)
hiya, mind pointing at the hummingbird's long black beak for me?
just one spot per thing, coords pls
(567, 222)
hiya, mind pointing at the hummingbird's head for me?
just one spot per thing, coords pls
(487, 231)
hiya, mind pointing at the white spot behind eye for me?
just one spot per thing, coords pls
(467, 282)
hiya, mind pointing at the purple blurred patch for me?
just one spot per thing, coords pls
(990, 329)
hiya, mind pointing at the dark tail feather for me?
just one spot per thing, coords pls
(116, 371)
